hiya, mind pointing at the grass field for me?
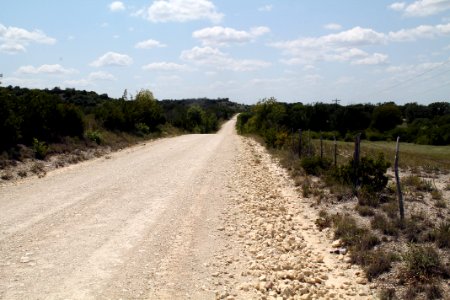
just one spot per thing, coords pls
(431, 158)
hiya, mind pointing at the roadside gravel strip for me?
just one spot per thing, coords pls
(277, 244)
(191, 217)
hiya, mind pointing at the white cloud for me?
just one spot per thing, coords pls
(422, 31)
(312, 79)
(90, 80)
(12, 48)
(116, 6)
(213, 57)
(76, 83)
(112, 59)
(374, 59)
(180, 11)
(46, 69)
(101, 75)
(398, 6)
(346, 45)
(421, 8)
(343, 80)
(412, 70)
(266, 8)
(333, 26)
(14, 40)
(309, 68)
(223, 36)
(356, 36)
(165, 66)
(342, 46)
(149, 44)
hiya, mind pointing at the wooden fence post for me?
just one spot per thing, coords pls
(397, 180)
(299, 143)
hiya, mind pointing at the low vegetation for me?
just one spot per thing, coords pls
(407, 258)
(40, 123)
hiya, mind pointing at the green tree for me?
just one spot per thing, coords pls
(386, 116)
(148, 111)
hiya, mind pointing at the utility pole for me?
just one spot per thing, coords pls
(1, 76)
(336, 101)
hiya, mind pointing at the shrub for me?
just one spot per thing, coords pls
(352, 235)
(442, 235)
(379, 262)
(423, 263)
(414, 230)
(370, 174)
(7, 176)
(418, 183)
(95, 136)
(40, 149)
(368, 198)
(384, 225)
(436, 194)
(38, 169)
(391, 209)
(315, 165)
(324, 220)
(388, 294)
(142, 129)
(365, 211)
(306, 188)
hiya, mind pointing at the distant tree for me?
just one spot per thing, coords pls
(414, 111)
(386, 116)
(125, 95)
(195, 116)
(148, 111)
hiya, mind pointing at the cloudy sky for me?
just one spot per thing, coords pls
(294, 50)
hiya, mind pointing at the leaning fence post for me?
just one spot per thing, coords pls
(299, 143)
(397, 180)
(356, 157)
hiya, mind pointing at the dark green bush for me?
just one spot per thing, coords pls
(95, 136)
(315, 165)
(40, 149)
(370, 173)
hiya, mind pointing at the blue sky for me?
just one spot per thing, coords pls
(294, 50)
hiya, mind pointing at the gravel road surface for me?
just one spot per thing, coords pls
(190, 217)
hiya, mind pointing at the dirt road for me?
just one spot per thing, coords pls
(172, 219)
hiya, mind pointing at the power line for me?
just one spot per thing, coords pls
(414, 78)
(434, 88)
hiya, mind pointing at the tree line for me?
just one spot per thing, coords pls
(30, 116)
(415, 123)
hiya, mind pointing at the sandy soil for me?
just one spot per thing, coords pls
(191, 217)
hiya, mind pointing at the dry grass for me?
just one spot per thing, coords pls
(429, 158)
(369, 224)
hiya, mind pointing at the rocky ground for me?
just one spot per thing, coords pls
(192, 217)
(275, 245)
